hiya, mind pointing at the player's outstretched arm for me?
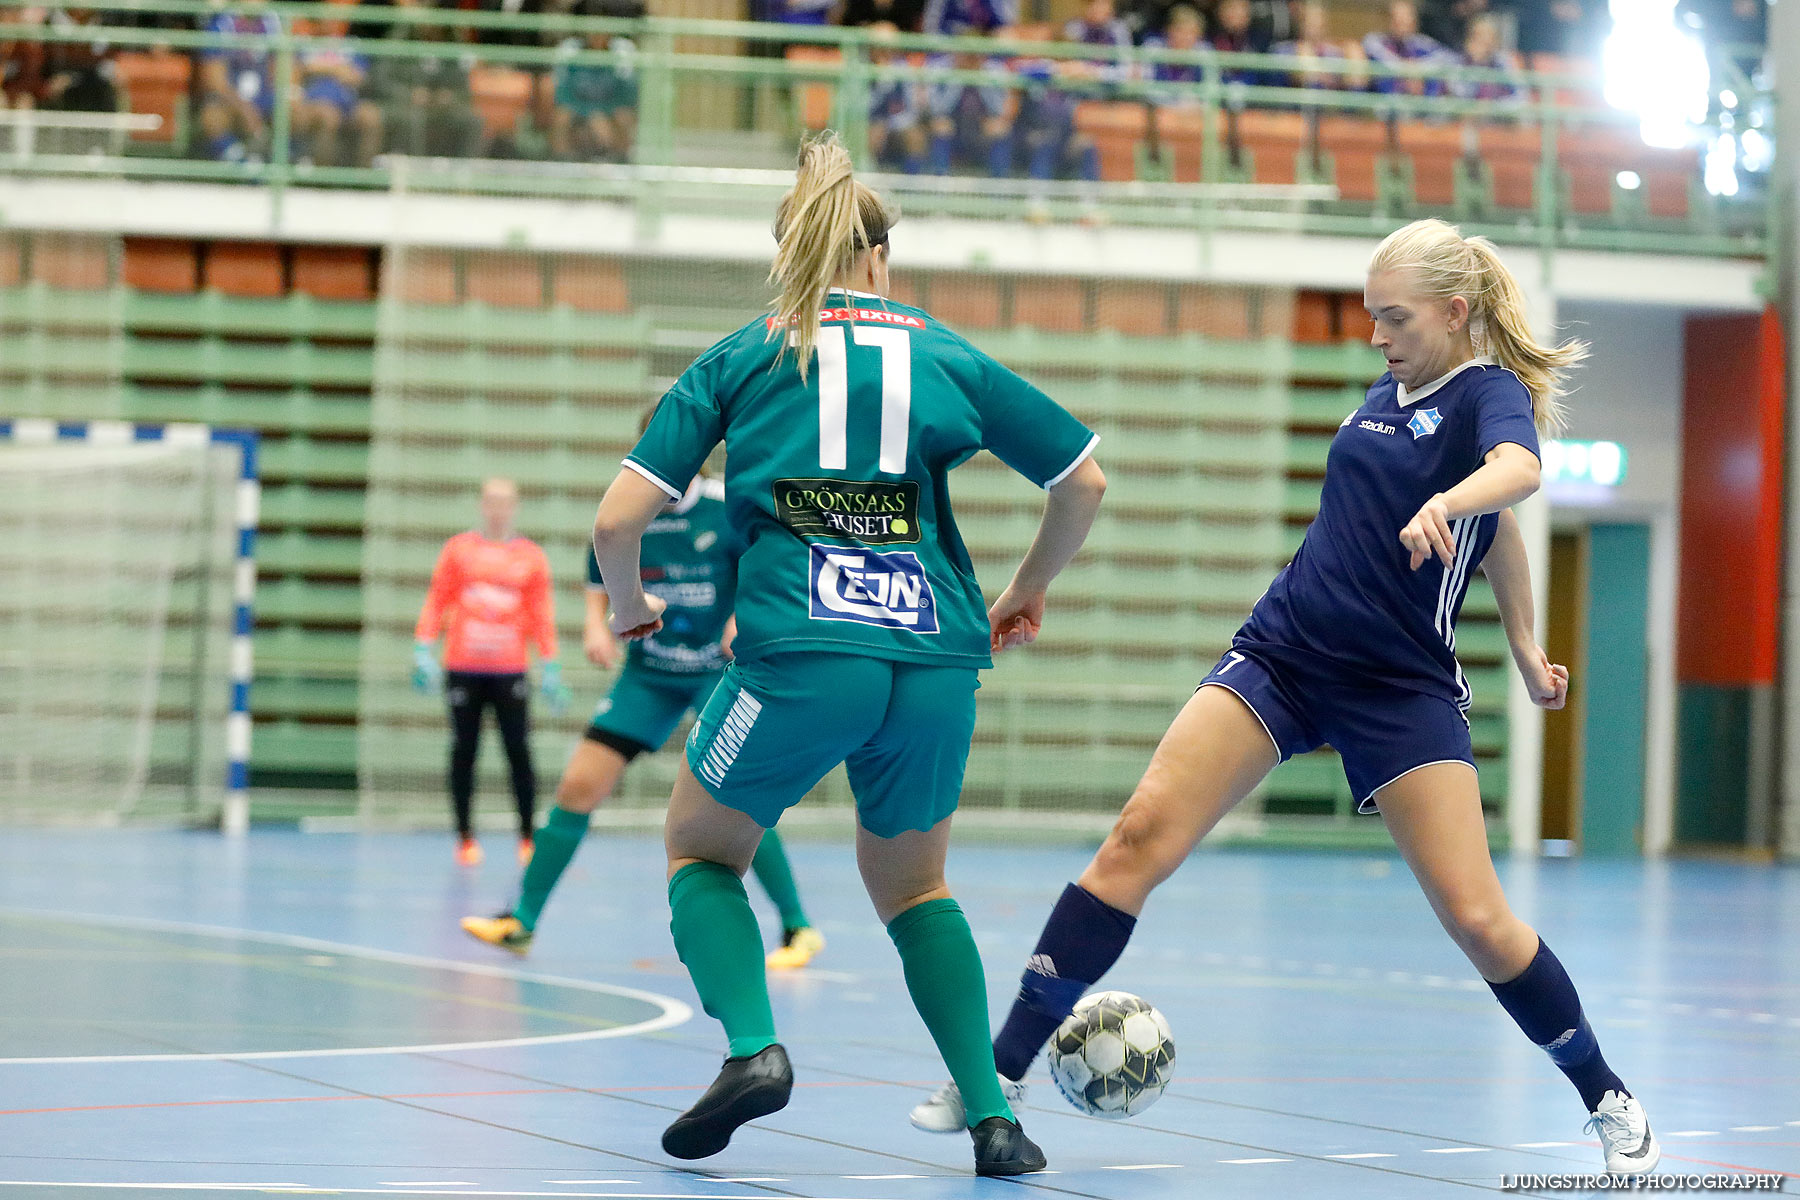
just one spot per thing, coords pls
(1508, 569)
(1069, 510)
(626, 510)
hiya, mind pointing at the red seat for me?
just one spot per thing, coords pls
(162, 265)
(1181, 132)
(1511, 154)
(1315, 317)
(1272, 141)
(501, 95)
(505, 279)
(72, 261)
(1133, 309)
(1051, 305)
(1436, 153)
(12, 261)
(590, 285)
(333, 272)
(1357, 149)
(1591, 159)
(423, 276)
(244, 268)
(1213, 310)
(812, 98)
(155, 83)
(1117, 129)
(966, 301)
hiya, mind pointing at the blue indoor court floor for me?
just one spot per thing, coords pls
(181, 1014)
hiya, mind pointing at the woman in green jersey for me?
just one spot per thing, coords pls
(861, 627)
(689, 560)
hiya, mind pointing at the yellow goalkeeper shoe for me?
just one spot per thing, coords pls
(797, 949)
(504, 930)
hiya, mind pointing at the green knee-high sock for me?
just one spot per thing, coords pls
(717, 938)
(777, 879)
(943, 973)
(553, 847)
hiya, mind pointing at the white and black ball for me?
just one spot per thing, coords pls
(1113, 1056)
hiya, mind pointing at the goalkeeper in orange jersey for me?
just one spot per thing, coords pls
(490, 598)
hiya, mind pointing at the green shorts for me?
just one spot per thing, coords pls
(644, 707)
(776, 725)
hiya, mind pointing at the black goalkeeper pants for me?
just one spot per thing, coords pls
(509, 696)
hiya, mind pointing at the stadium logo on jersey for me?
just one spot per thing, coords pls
(1424, 423)
(1377, 427)
(873, 513)
(887, 590)
(1348, 419)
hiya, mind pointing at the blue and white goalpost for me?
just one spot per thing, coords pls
(127, 577)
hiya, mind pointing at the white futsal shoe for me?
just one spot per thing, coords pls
(1624, 1130)
(944, 1112)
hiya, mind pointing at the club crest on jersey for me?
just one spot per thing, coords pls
(872, 588)
(1424, 423)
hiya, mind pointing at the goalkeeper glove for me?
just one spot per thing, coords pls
(556, 692)
(427, 676)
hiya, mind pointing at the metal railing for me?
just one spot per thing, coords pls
(702, 100)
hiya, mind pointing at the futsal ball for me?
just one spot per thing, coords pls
(1113, 1056)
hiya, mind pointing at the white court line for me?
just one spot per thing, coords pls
(674, 1012)
(1539, 1145)
(1692, 1133)
(590, 1181)
(427, 1183)
(884, 1177)
(1248, 1161)
(748, 1179)
(1359, 1156)
(1754, 1128)
(305, 1189)
(1145, 1167)
(1458, 1150)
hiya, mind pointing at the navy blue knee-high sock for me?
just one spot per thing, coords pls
(1081, 941)
(1542, 1000)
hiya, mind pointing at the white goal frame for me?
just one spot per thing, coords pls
(235, 818)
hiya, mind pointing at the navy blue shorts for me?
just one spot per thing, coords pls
(1380, 731)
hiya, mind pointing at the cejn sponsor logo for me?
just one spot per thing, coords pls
(887, 590)
(870, 512)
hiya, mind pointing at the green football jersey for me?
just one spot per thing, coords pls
(689, 559)
(837, 486)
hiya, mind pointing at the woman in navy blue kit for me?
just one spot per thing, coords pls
(1354, 645)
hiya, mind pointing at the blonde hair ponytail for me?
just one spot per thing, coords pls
(821, 226)
(1446, 264)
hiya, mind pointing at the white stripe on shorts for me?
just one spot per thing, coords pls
(728, 739)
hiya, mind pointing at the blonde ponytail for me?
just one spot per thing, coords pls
(1445, 264)
(821, 226)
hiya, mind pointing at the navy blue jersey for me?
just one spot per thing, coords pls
(1348, 600)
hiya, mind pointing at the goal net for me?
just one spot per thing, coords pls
(117, 598)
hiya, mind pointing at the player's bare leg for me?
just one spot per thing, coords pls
(1435, 817)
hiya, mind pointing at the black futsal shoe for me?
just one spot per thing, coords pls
(747, 1088)
(1001, 1148)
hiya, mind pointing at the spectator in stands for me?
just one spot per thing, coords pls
(908, 16)
(78, 76)
(425, 102)
(22, 63)
(1446, 22)
(968, 18)
(1482, 49)
(795, 12)
(1232, 36)
(898, 121)
(334, 126)
(596, 103)
(1182, 32)
(1045, 127)
(971, 124)
(1273, 21)
(1313, 49)
(1568, 27)
(237, 87)
(1401, 44)
(1098, 25)
(526, 36)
